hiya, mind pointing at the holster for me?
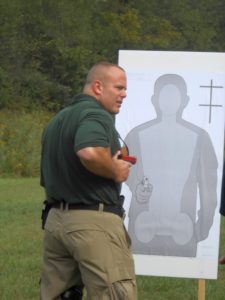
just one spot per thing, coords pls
(44, 213)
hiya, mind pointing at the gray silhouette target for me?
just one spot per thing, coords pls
(163, 217)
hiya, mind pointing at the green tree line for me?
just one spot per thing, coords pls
(47, 46)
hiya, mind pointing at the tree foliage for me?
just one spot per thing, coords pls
(47, 46)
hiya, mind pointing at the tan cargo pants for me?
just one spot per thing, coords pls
(91, 247)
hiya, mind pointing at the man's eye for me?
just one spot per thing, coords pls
(120, 88)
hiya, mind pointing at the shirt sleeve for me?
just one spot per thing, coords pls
(93, 131)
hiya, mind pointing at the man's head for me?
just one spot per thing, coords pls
(107, 83)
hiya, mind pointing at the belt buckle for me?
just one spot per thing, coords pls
(101, 206)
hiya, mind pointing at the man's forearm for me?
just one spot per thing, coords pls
(99, 161)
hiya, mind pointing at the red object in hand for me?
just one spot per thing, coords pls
(131, 159)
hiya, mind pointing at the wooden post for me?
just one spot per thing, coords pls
(201, 289)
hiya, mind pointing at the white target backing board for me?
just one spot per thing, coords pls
(173, 122)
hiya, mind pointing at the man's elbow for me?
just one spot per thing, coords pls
(86, 154)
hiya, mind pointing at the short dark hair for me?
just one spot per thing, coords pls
(97, 69)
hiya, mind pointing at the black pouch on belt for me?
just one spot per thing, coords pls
(122, 199)
(44, 213)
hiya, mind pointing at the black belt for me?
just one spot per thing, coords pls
(118, 210)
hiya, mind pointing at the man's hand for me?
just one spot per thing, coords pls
(98, 160)
(122, 168)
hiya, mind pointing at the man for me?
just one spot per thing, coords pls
(85, 241)
(177, 162)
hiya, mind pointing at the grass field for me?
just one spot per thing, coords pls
(21, 243)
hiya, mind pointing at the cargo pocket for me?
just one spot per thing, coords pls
(123, 263)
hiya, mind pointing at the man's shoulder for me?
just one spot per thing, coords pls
(84, 107)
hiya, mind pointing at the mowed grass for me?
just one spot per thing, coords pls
(20, 238)
(21, 251)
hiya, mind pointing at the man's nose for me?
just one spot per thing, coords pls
(124, 93)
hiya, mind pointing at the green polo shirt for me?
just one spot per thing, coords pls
(83, 123)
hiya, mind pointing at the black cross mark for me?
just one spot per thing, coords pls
(210, 105)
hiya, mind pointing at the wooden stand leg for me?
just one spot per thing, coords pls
(201, 289)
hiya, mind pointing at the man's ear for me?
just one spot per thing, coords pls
(97, 87)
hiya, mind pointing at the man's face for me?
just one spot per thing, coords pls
(113, 90)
